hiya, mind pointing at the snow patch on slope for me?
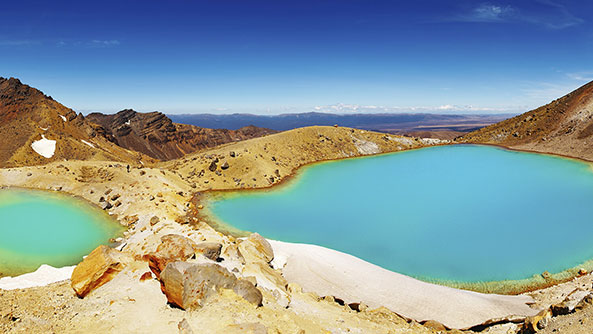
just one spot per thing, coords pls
(44, 275)
(86, 142)
(64, 118)
(44, 147)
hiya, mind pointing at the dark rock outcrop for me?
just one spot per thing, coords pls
(155, 135)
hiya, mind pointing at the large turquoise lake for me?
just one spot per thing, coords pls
(460, 213)
(43, 228)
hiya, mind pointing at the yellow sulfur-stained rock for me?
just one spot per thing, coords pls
(98, 268)
(255, 248)
(190, 285)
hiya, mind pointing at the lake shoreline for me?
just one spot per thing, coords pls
(509, 287)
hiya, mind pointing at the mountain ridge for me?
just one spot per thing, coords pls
(156, 135)
(563, 126)
(28, 116)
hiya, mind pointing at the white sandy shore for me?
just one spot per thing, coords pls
(328, 272)
(44, 275)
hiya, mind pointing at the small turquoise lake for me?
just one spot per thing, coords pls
(462, 213)
(43, 228)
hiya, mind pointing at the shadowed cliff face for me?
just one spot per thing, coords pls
(564, 126)
(27, 115)
(155, 135)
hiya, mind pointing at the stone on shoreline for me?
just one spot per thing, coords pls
(154, 220)
(98, 268)
(188, 286)
(569, 304)
(172, 248)
(255, 248)
(210, 250)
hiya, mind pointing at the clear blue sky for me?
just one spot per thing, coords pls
(292, 56)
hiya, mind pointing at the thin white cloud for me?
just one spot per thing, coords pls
(18, 42)
(98, 43)
(544, 92)
(341, 108)
(560, 17)
(488, 13)
(547, 13)
(581, 76)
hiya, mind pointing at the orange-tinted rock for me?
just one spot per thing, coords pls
(432, 324)
(98, 268)
(172, 248)
(146, 276)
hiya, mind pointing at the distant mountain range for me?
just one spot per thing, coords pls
(410, 123)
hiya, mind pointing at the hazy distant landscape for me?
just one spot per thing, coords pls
(421, 124)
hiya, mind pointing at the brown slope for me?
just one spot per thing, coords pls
(564, 126)
(26, 114)
(154, 134)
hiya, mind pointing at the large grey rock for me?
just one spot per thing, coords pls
(188, 286)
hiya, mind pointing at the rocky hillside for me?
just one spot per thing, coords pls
(154, 134)
(263, 162)
(36, 130)
(564, 126)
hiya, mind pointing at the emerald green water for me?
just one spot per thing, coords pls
(39, 227)
(460, 213)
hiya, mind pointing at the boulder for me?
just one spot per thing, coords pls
(212, 166)
(535, 323)
(188, 286)
(98, 268)
(210, 250)
(569, 303)
(172, 248)
(154, 220)
(225, 165)
(256, 248)
(435, 325)
(248, 291)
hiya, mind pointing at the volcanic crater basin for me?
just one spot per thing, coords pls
(460, 214)
(39, 227)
